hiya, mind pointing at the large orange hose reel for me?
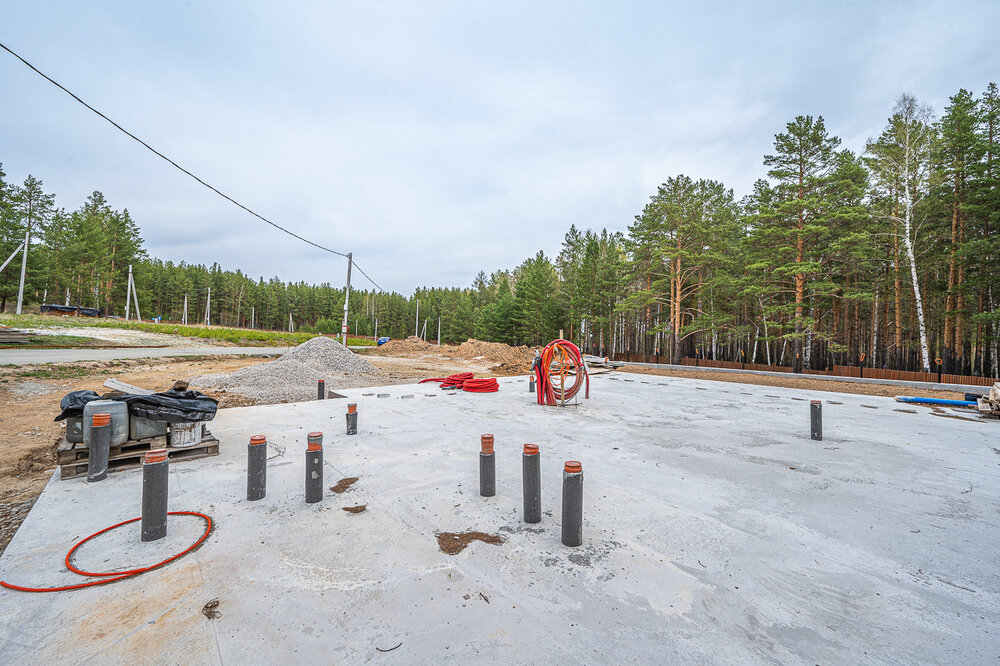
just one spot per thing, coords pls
(559, 364)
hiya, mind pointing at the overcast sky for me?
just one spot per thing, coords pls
(437, 139)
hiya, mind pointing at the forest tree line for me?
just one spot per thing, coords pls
(888, 258)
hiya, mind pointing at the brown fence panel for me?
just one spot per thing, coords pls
(840, 371)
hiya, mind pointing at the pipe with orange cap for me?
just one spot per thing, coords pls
(321, 390)
(314, 467)
(99, 446)
(257, 468)
(487, 467)
(572, 504)
(155, 474)
(352, 418)
(531, 475)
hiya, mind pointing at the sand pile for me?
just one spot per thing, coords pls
(410, 344)
(293, 376)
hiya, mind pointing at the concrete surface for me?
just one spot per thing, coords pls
(972, 388)
(715, 531)
(26, 356)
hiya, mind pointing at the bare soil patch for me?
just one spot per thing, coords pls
(805, 383)
(453, 543)
(355, 509)
(344, 484)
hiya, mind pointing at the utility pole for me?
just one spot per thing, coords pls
(128, 293)
(24, 268)
(208, 310)
(253, 313)
(347, 296)
(135, 293)
(416, 326)
(67, 296)
(185, 319)
(376, 329)
(439, 331)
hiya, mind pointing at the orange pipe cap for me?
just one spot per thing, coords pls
(531, 449)
(257, 440)
(154, 456)
(573, 467)
(101, 420)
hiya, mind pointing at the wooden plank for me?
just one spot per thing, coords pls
(133, 461)
(119, 385)
(79, 453)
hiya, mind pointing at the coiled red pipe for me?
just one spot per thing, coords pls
(567, 357)
(112, 576)
(465, 381)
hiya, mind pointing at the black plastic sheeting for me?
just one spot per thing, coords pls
(71, 309)
(170, 406)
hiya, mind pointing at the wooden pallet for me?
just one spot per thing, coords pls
(73, 457)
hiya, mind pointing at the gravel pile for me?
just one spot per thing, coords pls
(293, 376)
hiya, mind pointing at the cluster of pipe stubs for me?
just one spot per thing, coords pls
(531, 480)
(257, 461)
(466, 381)
(560, 373)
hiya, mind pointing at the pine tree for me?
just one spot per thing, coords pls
(803, 158)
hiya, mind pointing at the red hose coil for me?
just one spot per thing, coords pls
(112, 576)
(558, 358)
(465, 381)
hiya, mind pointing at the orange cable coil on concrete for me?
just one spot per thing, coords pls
(559, 360)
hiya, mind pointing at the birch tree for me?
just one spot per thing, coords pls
(902, 156)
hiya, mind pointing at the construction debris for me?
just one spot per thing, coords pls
(989, 404)
(13, 335)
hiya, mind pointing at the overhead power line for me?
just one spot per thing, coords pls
(178, 166)
(360, 270)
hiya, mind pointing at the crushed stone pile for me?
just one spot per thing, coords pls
(410, 344)
(293, 376)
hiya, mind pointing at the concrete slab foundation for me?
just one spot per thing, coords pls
(715, 531)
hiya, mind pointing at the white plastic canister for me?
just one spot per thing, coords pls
(119, 419)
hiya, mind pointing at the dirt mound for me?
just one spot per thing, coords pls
(511, 369)
(410, 344)
(494, 352)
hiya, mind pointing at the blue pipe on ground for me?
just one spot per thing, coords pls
(935, 401)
